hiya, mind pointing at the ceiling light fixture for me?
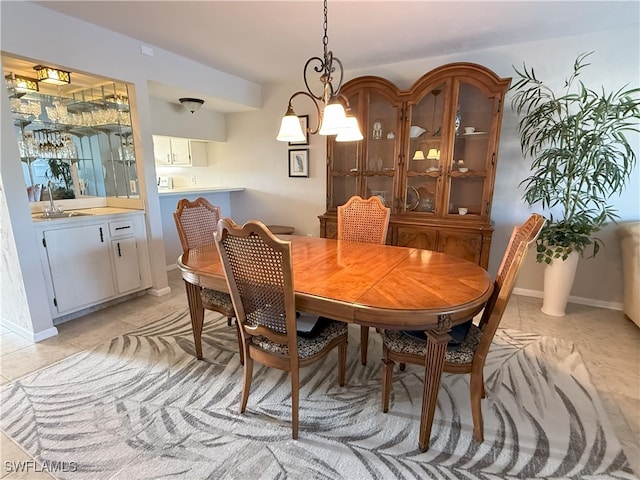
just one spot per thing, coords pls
(17, 85)
(191, 104)
(334, 118)
(51, 75)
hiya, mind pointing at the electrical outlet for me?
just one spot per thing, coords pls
(193, 180)
(132, 186)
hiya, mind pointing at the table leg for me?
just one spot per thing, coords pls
(436, 348)
(196, 310)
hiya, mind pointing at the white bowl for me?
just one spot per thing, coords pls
(415, 131)
(463, 169)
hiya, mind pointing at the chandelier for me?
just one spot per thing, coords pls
(334, 114)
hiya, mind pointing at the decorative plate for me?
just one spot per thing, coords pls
(413, 198)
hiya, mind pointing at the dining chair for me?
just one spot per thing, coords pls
(468, 357)
(366, 221)
(197, 222)
(259, 273)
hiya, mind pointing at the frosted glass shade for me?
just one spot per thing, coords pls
(419, 155)
(352, 133)
(333, 119)
(291, 129)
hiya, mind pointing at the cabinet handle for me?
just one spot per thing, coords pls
(173, 156)
(119, 252)
(123, 228)
(101, 235)
(168, 158)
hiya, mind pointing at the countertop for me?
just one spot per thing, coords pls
(86, 213)
(166, 192)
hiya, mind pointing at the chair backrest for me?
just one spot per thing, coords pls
(364, 221)
(196, 222)
(259, 273)
(521, 239)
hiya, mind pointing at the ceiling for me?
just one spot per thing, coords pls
(269, 41)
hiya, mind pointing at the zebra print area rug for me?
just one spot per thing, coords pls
(141, 407)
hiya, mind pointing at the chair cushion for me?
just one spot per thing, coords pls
(307, 347)
(398, 342)
(215, 297)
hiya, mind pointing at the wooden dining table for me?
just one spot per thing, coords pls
(380, 286)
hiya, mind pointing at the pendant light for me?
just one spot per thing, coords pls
(331, 106)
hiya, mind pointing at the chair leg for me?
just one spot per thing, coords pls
(246, 383)
(403, 367)
(476, 407)
(342, 363)
(484, 392)
(196, 311)
(364, 344)
(229, 321)
(387, 378)
(295, 404)
(240, 349)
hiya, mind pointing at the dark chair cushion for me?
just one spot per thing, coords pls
(214, 297)
(307, 347)
(398, 342)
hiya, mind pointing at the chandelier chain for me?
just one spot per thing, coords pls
(325, 38)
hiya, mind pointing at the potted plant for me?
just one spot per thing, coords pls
(580, 157)
(61, 171)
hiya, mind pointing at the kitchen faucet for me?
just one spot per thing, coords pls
(52, 210)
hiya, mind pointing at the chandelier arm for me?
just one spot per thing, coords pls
(315, 103)
(320, 68)
(336, 91)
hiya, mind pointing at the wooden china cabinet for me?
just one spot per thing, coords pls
(422, 159)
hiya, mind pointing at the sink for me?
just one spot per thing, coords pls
(65, 215)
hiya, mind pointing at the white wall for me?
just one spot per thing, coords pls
(253, 158)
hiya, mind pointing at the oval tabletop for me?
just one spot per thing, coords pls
(376, 285)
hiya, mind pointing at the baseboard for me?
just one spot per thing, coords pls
(28, 334)
(173, 266)
(572, 299)
(155, 292)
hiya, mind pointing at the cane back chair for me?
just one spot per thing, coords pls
(259, 272)
(364, 221)
(197, 223)
(470, 356)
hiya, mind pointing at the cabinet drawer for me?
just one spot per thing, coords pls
(121, 228)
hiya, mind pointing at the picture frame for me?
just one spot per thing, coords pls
(304, 123)
(299, 163)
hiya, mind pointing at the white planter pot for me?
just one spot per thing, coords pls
(558, 281)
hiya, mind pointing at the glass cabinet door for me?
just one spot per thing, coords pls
(368, 167)
(381, 152)
(344, 165)
(472, 153)
(426, 151)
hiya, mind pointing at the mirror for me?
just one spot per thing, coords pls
(75, 139)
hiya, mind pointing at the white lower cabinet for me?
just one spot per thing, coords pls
(80, 265)
(94, 260)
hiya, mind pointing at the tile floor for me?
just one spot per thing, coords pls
(609, 344)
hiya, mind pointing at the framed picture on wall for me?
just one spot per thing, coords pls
(299, 163)
(304, 124)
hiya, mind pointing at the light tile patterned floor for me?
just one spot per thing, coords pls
(609, 344)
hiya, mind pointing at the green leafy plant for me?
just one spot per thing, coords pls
(580, 155)
(60, 170)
